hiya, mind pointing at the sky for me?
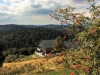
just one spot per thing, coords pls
(35, 12)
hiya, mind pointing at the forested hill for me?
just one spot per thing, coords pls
(14, 27)
(26, 38)
(11, 27)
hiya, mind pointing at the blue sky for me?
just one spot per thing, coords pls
(2, 2)
(35, 12)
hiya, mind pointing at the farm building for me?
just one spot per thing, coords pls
(45, 46)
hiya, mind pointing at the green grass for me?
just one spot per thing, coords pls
(30, 57)
(26, 58)
(58, 72)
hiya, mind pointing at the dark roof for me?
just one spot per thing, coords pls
(47, 43)
(70, 44)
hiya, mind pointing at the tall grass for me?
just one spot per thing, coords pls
(29, 67)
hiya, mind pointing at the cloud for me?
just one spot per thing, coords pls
(12, 1)
(35, 11)
(3, 7)
(79, 1)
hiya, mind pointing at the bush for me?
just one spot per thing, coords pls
(12, 57)
(21, 51)
(85, 60)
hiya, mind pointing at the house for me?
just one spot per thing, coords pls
(69, 44)
(45, 46)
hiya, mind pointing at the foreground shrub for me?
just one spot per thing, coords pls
(85, 60)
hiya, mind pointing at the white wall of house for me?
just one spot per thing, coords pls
(38, 49)
(39, 54)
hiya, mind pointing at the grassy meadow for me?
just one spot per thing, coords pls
(31, 67)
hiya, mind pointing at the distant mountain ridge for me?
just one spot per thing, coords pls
(15, 26)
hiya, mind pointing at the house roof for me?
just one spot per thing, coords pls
(69, 44)
(47, 43)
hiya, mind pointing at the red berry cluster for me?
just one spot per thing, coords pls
(72, 73)
(64, 37)
(67, 44)
(77, 21)
(78, 66)
(63, 54)
(61, 23)
(94, 31)
(86, 69)
(56, 44)
(78, 43)
(60, 61)
(88, 58)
